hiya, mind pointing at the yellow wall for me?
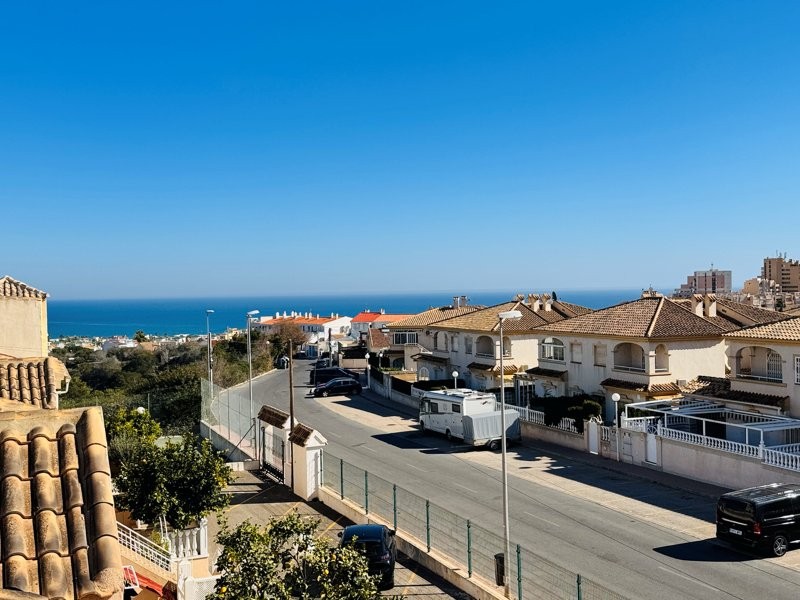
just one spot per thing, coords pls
(23, 327)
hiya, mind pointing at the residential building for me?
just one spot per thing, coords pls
(318, 330)
(785, 272)
(712, 281)
(367, 319)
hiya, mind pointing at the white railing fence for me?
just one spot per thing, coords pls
(189, 543)
(711, 442)
(537, 417)
(145, 548)
(784, 460)
(197, 588)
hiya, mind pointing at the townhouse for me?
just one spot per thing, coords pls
(319, 331)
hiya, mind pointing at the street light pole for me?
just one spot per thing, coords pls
(366, 358)
(503, 316)
(615, 397)
(455, 379)
(209, 312)
(250, 315)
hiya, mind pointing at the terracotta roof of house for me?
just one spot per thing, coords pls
(430, 357)
(550, 373)
(432, 315)
(273, 416)
(787, 330)
(366, 316)
(507, 368)
(33, 381)
(58, 527)
(652, 389)
(378, 340)
(486, 319)
(733, 315)
(649, 317)
(11, 288)
(720, 388)
(300, 434)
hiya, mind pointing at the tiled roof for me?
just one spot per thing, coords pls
(551, 373)
(429, 357)
(720, 388)
(273, 416)
(58, 528)
(653, 389)
(11, 288)
(378, 340)
(787, 330)
(487, 319)
(366, 317)
(507, 369)
(32, 381)
(300, 434)
(733, 315)
(650, 317)
(569, 307)
(432, 315)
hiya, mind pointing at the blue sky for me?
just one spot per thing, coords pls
(227, 149)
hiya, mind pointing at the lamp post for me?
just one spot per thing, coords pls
(615, 398)
(366, 358)
(504, 316)
(455, 379)
(210, 312)
(250, 315)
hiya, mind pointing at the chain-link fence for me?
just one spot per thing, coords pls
(227, 411)
(474, 547)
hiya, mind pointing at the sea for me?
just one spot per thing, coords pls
(175, 316)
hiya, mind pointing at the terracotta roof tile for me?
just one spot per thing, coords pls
(643, 318)
(58, 528)
(273, 416)
(366, 316)
(653, 389)
(33, 381)
(486, 319)
(542, 372)
(11, 288)
(787, 330)
(378, 340)
(720, 388)
(300, 434)
(432, 315)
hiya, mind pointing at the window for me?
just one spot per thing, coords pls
(552, 349)
(454, 343)
(405, 337)
(468, 345)
(434, 407)
(600, 355)
(456, 408)
(774, 366)
(576, 352)
(436, 341)
(797, 370)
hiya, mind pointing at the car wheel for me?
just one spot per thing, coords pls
(780, 544)
(494, 445)
(325, 393)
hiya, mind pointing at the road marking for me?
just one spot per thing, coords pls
(417, 468)
(687, 578)
(368, 448)
(542, 519)
(463, 487)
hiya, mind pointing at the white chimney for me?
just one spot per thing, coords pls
(548, 302)
(710, 305)
(534, 301)
(697, 304)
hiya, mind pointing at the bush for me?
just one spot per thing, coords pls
(579, 408)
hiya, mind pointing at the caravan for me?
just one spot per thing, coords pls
(467, 415)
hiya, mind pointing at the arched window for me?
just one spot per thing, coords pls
(662, 359)
(484, 347)
(629, 357)
(552, 349)
(423, 374)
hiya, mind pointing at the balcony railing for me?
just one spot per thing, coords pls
(765, 378)
(629, 368)
(484, 355)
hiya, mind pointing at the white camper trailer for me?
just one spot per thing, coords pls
(467, 415)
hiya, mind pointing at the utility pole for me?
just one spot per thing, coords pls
(291, 413)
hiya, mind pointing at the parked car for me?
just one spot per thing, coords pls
(317, 376)
(766, 517)
(322, 363)
(377, 543)
(338, 387)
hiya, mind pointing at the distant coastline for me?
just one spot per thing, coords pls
(105, 318)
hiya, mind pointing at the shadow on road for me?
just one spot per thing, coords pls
(704, 551)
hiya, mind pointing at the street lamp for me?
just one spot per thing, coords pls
(455, 379)
(210, 312)
(615, 398)
(366, 358)
(504, 316)
(250, 315)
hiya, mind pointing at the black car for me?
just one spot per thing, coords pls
(318, 376)
(766, 517)
(338, 387)
(377, 543)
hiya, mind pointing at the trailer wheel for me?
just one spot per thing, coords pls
(494, 445)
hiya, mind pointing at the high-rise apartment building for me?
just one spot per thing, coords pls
(785, 272)
(713, 281)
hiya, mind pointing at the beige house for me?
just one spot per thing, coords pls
(23, 319)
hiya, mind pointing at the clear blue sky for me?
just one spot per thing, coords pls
(251, 148)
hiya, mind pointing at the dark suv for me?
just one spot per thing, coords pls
(764, 518)
(338, 387)
(377, 543)
(317, 376)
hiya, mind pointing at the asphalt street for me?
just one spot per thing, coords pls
(637, 537)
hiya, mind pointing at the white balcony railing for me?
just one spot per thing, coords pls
(145, 548)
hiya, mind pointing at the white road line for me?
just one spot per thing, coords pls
(417, 468)
(542, 519)
(463, 487)
(687, 578)
(370, 449)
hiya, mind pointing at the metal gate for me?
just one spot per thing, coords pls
(651, 448)
(273, 456)
(594, 436)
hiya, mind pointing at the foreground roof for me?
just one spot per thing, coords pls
(649, 317)
(58, 528)
(787, 330)
(733, 315)
(433, 315)
(34, 382)
(11, 288)
(720, 388)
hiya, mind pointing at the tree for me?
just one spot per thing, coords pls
(140, 336)
(288, 559)
(180, 482)
(284, 333)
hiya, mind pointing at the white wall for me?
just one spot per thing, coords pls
(23, 327)
(788, 352)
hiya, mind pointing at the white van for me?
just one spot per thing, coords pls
(467, 415)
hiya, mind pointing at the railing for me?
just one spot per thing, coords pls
(485, 355)
(608, 434)
(784, 460)
(791, 448)
(537, 417)
(637, 423)
(189, 543)
(143, 547)
(629, 369)
(765, 378)
(710, 442)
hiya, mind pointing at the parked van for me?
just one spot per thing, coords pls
(764, 518)
(467, 415)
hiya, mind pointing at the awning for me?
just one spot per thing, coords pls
(546, 373)
(429, 357)
(494, 369)
(652, 389)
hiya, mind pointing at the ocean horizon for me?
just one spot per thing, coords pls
(174, 316)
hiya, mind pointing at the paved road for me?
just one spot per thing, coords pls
(631, 535)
